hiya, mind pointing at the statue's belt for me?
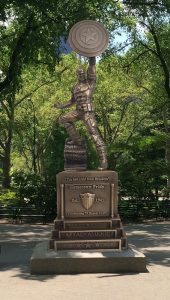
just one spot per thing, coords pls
(85, 107)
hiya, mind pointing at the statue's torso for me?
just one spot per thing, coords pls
(83, 93)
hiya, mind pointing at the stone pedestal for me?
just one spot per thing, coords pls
(45, 261)
(88, 236)
(87, 212)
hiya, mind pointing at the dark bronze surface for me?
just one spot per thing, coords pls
(82, 94)
(75, 156)
(98, 206)
(88, 38)
(87, 194)
(86, 234)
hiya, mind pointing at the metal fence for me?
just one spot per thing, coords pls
(144, 209)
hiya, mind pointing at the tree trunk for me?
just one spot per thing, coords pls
(167, 145)
(7, 151)
(6, 165)
(112, 161)
(167, 157)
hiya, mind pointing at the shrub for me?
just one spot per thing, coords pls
(8, 197)
(32, 189)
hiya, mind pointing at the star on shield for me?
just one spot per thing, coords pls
(89, 36)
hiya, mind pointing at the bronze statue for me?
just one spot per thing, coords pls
(81, 96)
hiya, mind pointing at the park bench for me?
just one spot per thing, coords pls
(150, 209)
(8, 213)
(18, 215)
(30, 213)
(128, 210)
(139, 210)
(165, 209)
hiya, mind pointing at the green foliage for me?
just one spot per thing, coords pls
(141, 169)
(131, 97)
(32, 189)
(8, 197)
(53, 155)
(30, 33)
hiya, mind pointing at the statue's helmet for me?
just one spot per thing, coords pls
(81, 74)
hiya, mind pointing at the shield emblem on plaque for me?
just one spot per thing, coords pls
(87, 200)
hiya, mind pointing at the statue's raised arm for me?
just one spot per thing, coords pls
(91, 71)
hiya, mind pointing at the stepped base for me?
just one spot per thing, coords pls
(88, 224)
(114, 244)
(85, 234)
(45, 261)
(88, 234)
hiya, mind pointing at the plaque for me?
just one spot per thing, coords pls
(88, 38)
(90, 224)
(88, 244)
(87, 200)
(87, 235)
(89, 194)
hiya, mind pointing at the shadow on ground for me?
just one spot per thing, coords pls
(18, 241)
(153, 240)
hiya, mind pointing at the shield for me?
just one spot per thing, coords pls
(88, 38)
(87, 200)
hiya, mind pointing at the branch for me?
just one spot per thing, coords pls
(38, 87)
(141, 86)
(136, 58)
(165, 119)
(51, 19)
(120, 49)
(141, 3)
(14, 68)
(135, 126)
(1, 157)
(162, 105)
(162, 60)
(5, 36)
(106, 125)
(6, 109)
(120, 121)
(13, 65)
(2, 145)
(26, 159)
(148, 48)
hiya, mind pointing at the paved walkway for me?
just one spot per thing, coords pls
(16, 283)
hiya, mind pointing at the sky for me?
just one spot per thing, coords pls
(118, 38)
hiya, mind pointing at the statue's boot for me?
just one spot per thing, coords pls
(90, 122)
(102, 158)
(75, 138)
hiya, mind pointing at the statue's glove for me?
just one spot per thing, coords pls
(92, 60)
(59, 106)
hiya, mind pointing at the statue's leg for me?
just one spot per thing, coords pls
(68, 122)
(90, 122)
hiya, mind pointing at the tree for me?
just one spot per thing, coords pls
(120, 107)
(38, 135)
(30, 33)
(148, 27)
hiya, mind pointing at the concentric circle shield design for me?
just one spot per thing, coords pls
(88, 38)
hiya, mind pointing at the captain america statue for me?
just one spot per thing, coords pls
(82, 94)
